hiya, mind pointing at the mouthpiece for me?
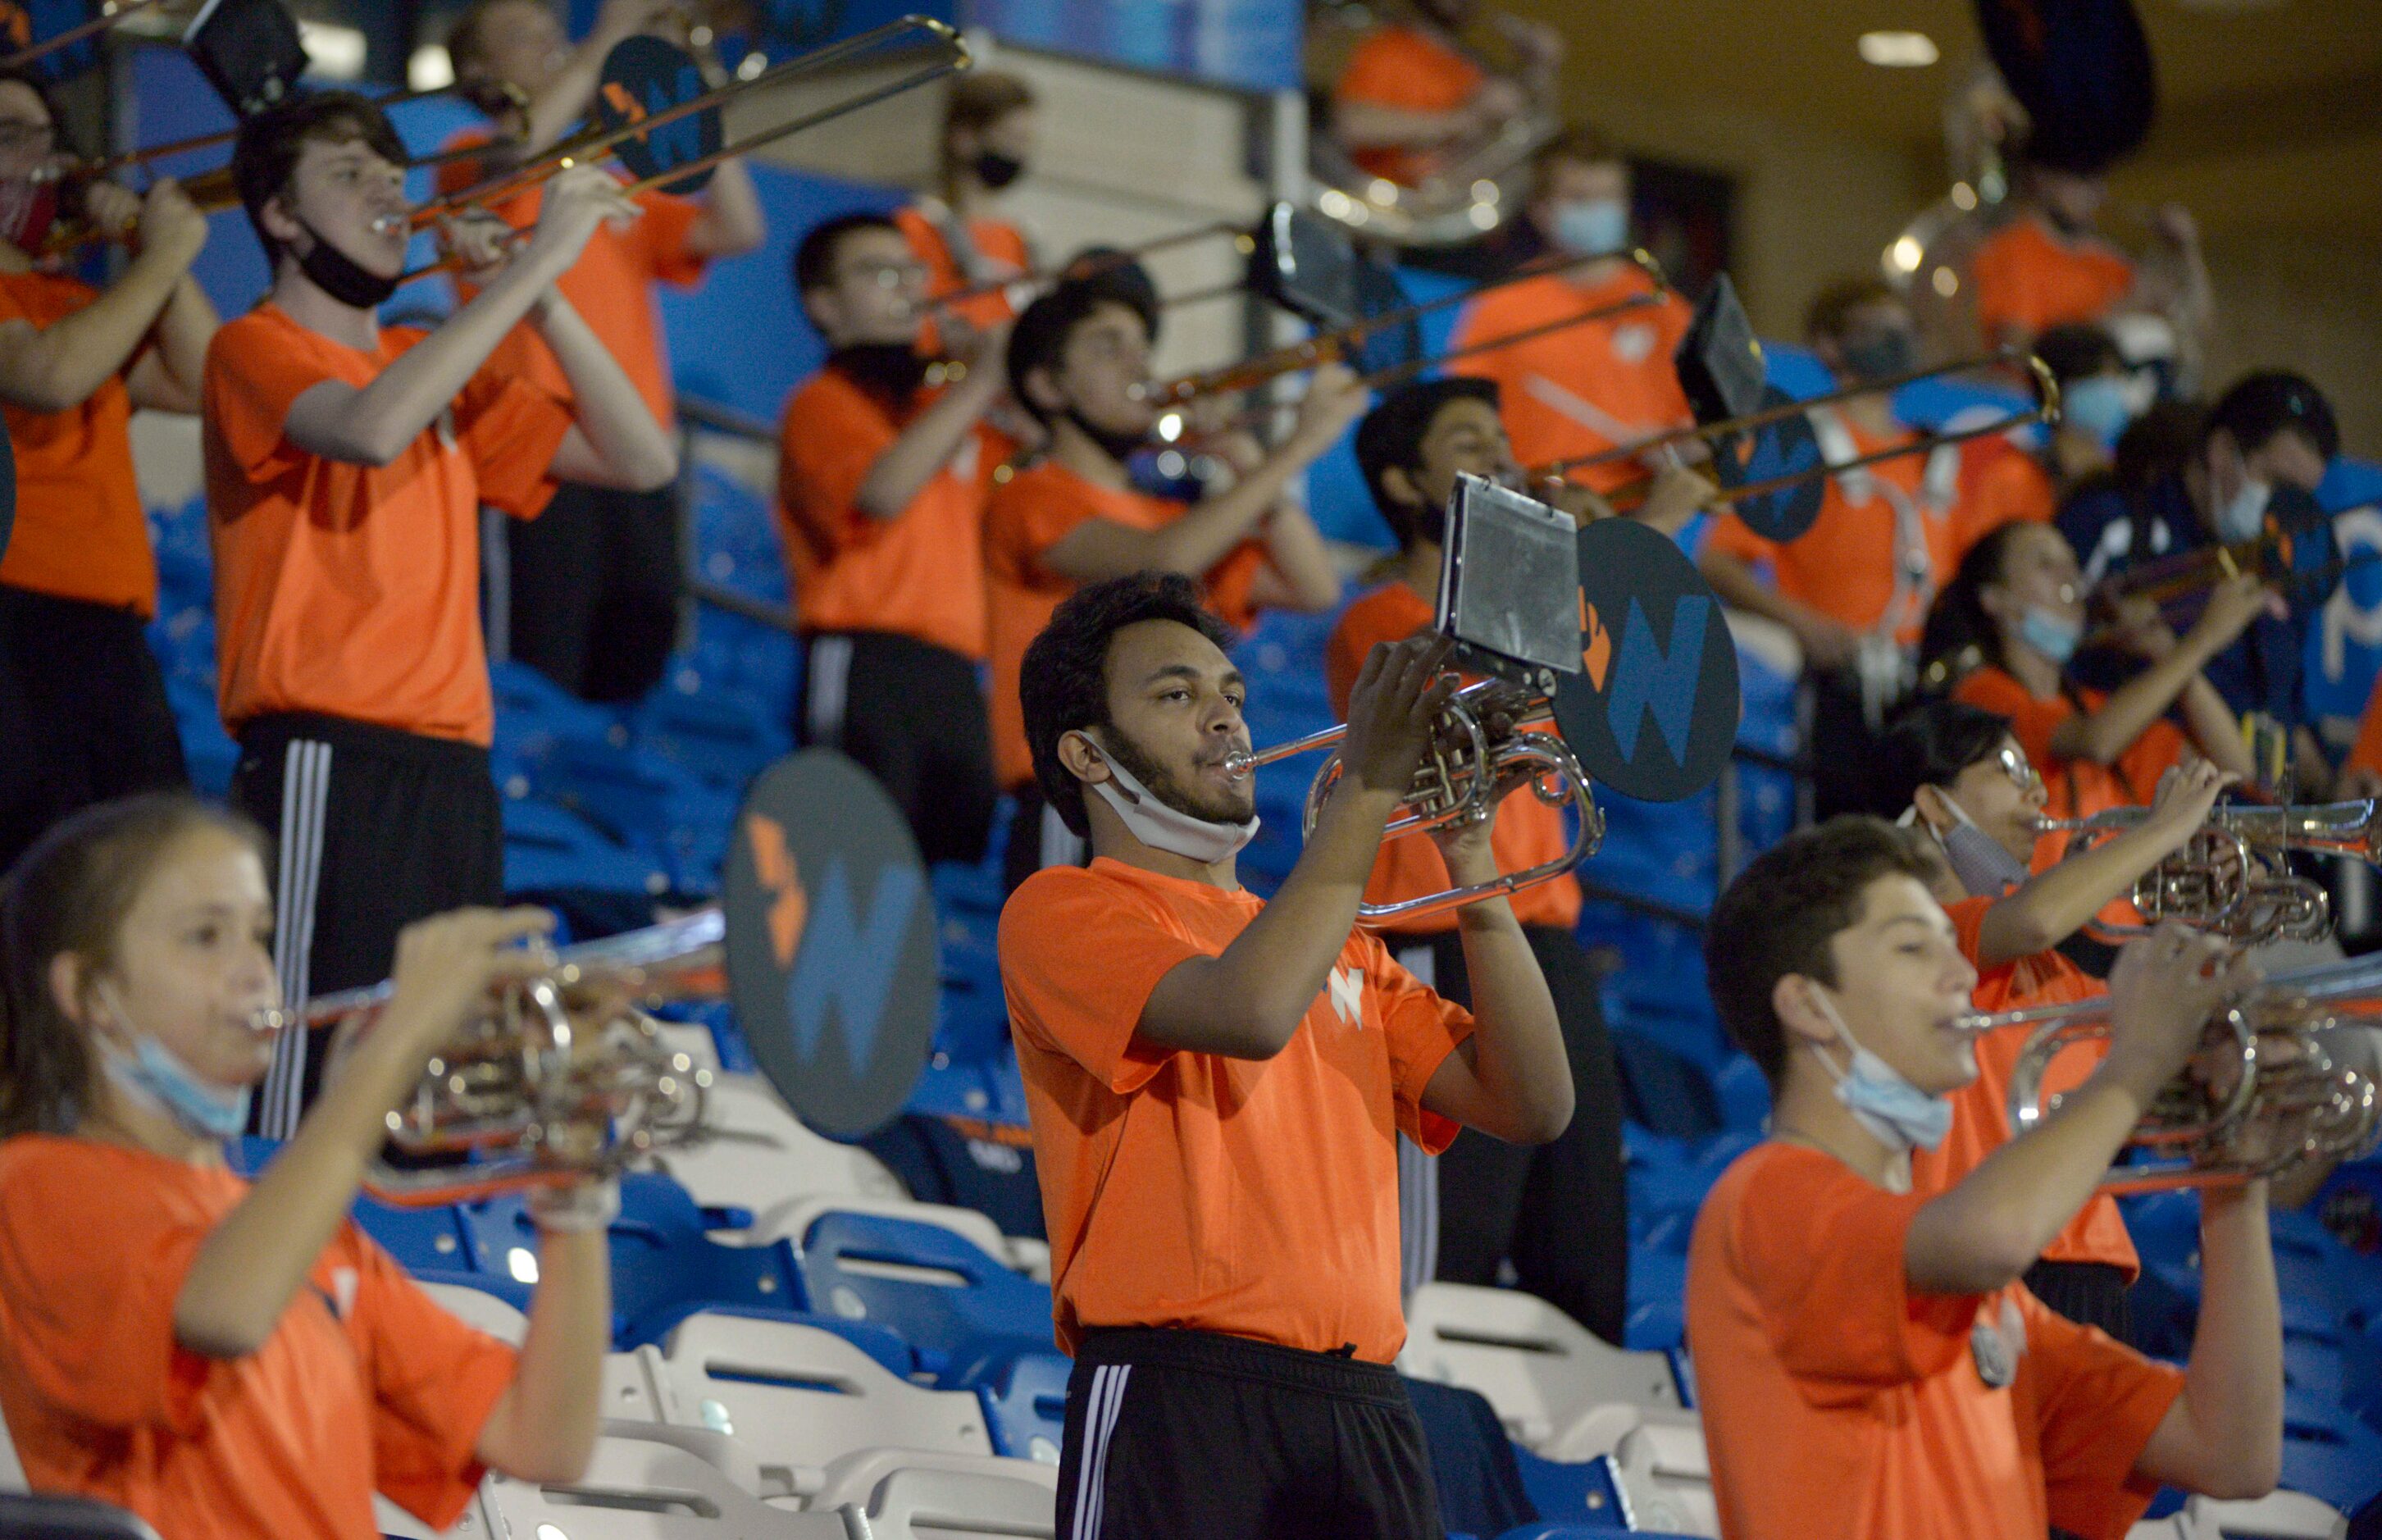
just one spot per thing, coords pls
(269, 1021)
(1240, 766)
(387, 224)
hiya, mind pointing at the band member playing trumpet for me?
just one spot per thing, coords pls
(1078, 361)
(1414, 100)
(988, 135)
(346, 467)
(1955, 773)
(82, 701)
(593, 592)
(881, 483)
(1216, 1085)
(1868, 1362)
(221, 1357)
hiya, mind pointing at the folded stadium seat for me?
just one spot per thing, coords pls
(548, 847)
(646, 804)
(714, 732)
(1025, 1396)
(645, 1483)
(948, 1298)
(207, 750)
(1546, 1375)
(396, 1523)
(1658, 1291)
(1479, 1474)
(761, 1158)
(12, 1471)
(1665, 1475)
(940, 1500)
(1661, 1089)
(2281, 1515)
(1743, 1094)
(2328, 1454)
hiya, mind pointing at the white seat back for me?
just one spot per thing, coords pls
(944, 1499)
(761, 1157)
(1665, 1475)
(640, 1488)
(1547, 1375)
(12, 1472)
(397, 1524)
(2275, 1516)
(476, 1308)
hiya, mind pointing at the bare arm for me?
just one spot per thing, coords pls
(615, 441)
(555, 110)
(2223, 1437)
(543, 1427)
(1512, 1077)
(2102, 735)
(169, 376)
(2053, 905)
(56, 368)
(1992, 1226)
(1247, 1002)
(924, 447)
(1299, 573)
(731, 223)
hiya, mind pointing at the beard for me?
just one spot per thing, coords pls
(1235, 803)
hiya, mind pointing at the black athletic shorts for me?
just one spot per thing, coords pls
(84, 716)
(1192, 1434)
(594, 590)
(372, 830)
(911, 714)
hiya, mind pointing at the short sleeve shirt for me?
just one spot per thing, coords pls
(1981, 1109)
(365, 1384)
(1025, 517)
(1256, 1199)
(919, 575)
(2078, 788)
(2002, 483)
(80, 533)
(1838, 1404)
(354, 590)
(1583, 388)
(1409, 69)
(2029, 280)
(1528, 832)
(1001, 246)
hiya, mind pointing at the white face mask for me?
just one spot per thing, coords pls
(2243, 514)
(1898, 1114)
(1984, 869)
(1162, 827)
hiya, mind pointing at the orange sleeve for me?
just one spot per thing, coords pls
(1079, 957)
(2158, 750)
(1231, 583)
(1423, 1030)
(1999, 282)
(433, 1383)
(250, 387)
(2096, 1404)
(1731, 535)
(89, 1305)
(661, 235)
(1024, 523)
(2033, 722)
(1822, 1252)
(1967, 919)
(1385, 68)
(510, 429)
(1344, 659)
(831, 440)
(2003, 485)
(2367, 753)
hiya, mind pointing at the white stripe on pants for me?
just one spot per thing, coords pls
(826, 686)
(1092, 1463)
(305, 793)
(1417, 1171)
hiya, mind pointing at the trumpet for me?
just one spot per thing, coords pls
(1482, 747)
(2231, 878)
(560, 1076)
(2264, 1094)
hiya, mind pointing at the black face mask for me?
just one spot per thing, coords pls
(997, 171)
(892, 369)
(337, 275)
(1883, 356)
(1120, 446)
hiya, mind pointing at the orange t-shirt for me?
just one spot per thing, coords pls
(1406, 69)
(1583, 388)
(2367, 753)
(354, 590)
(1981, 1108)
(1002, 242)
(2002, 483)
(1843, 566)
(1528, 832)
(2027, 278)
(919, 575)
(610, 286)
(80, 533)
(1025, 516)
(1838, 1404)
(1255, 1198)
(2078, 788)
(365, 1385)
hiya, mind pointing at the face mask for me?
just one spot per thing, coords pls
(1164, 827)
(2055, 636)
(337, 275)
(1983, 867)
(1883, 356)
(2099, 407)
(997, 171)
(2244, 513)
(1118, 445)
(1898, 1114)
(890, 369)
(154, 1076)
(1596, 225)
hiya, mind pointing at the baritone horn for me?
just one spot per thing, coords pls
(557, 1077)
(2268, 1090)
(2230, 877)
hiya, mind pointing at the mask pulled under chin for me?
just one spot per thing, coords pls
(889, 369)
(153, 1075)
(2243, 517)
(1170, 828)
(1118, 445)
(340, 276)
(1896, 1113)
(1983, 868)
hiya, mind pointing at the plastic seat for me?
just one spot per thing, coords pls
(948, 1298)
(28, 1518)
(761, 1158)
(1543, 1372)
(1665, 1475)
(2328, 1454)
(2280, 1515)
(639, 1485)
(1024, 1396)
(477, 1307)
(12, 1471)
(908, 1499)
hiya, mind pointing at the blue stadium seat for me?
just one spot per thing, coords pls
(1025, 1396)
(2329, 1454)
(548, 847)
(967, 1307)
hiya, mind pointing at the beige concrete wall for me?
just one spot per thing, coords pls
(2304, 301)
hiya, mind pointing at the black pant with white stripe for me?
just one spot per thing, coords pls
(373, 829)
(1038, 837)
(912, 715)
(1193, 1434)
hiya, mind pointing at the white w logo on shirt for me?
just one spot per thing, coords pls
(1347, 990)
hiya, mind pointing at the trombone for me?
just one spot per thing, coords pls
(1718, 433)
(2263, 1094)
(110, 13)
(559, 1077)
(1482, 746)
(2230, 877)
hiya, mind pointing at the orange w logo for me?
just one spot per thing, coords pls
(790, 906)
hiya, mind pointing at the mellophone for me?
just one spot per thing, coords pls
(2230, 877)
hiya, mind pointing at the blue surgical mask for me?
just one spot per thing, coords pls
(2243, 515)
(152, 1074)
(2055, 636)
(1898, 1114)
(1156, 824)
(1593, 226)
(2100, 407)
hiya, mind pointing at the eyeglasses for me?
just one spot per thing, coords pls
(887, 274)
(2018, 768)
